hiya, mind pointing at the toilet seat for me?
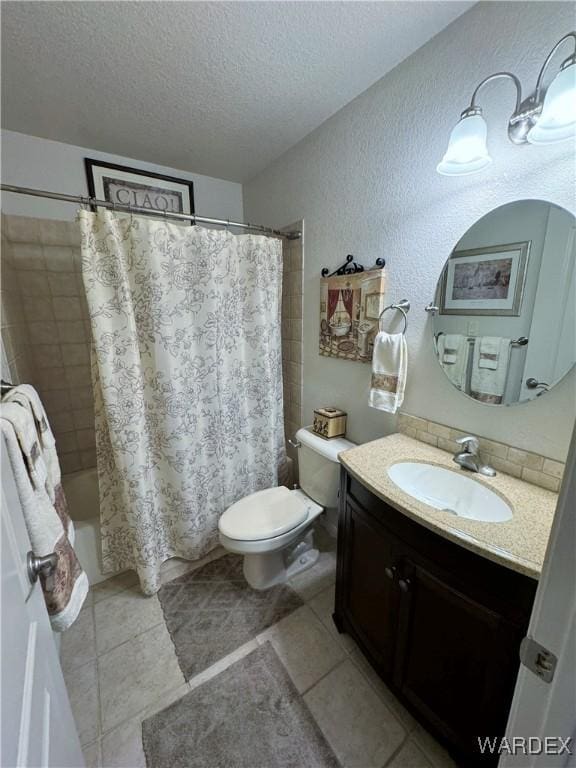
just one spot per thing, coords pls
(264, 515)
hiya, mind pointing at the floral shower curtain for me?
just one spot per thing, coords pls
(187, 374)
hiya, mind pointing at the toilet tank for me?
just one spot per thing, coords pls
(318, 465)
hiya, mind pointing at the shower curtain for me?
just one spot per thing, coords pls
(187, 375)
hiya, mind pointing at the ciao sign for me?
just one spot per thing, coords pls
(130, 187)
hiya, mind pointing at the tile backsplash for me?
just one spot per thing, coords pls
(292, 335)
(52, 322)
(531, 467)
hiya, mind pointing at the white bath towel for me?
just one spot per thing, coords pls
(488, 382)
(47, 520)
(389, 366)
(453, 353)
(26, 396)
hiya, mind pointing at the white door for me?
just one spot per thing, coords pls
(548, 709)
(38, 728)
(550, 352)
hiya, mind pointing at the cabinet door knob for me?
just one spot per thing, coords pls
(404, 585)
(390, 571)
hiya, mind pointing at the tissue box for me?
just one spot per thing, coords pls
(329, 422)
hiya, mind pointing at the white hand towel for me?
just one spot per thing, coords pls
(489, 352)
(488, 384)
(389, 365)
(453, 352)
(66, 590)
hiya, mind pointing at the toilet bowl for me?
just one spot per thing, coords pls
(273, 528)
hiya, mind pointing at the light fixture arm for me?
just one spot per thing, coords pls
(473, 108)
(538, 91)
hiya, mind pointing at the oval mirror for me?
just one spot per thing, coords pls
(505, 326)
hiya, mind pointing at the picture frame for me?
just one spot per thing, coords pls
(123, 185)
(372, 304)
(485, 281)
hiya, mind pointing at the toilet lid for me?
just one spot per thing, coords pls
(263, 515)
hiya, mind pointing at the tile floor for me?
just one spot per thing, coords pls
(120, 668)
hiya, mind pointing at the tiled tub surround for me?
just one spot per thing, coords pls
(45, 257)
(15, 341)
(519, 543)
(121, 668)
(292, 335)
(530, 467)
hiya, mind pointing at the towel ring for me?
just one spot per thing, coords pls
(402, 306)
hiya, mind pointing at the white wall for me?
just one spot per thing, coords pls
(28, 161)
(365, 183)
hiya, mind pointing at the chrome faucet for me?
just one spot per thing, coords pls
(469, 456)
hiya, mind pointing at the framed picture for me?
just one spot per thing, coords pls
(129, 186)
(372, 305)
(485, 281)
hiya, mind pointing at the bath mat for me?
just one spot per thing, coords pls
(213, 611)
(248, 716)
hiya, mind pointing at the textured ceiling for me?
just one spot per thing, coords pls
(220, 88)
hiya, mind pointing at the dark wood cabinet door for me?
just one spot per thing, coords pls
(369, 600)
(454, 659)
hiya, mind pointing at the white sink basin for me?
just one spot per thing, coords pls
(450, 491)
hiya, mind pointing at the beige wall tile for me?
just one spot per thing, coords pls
(34, 284)
(59, 258)
(63, 284)
(82, 397)
(67, 308)
(52, 378)
(86, 438)
(83, 419)
(502, 465)
(493, 448)
(47, 355)
(56, 400)
(28, 256)
(439, 430)
(67, 442)
(54, 232)
(539, 478)
(61, 422)
(88, 458)
(43, 333)
(426, 437)
(554, 468)
(69, 462)
(72, 332)
(525, 459)
(448, 445)
(22, 229)
(38, 309)
(75, 354)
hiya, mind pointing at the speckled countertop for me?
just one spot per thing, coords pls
(519, 543)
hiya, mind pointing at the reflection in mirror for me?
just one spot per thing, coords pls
(505, 331)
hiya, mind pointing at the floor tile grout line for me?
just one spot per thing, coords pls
(129, 639)
(322, 677)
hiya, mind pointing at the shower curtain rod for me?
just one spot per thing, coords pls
(92, 201)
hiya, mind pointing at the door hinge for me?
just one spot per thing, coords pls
(538, 659)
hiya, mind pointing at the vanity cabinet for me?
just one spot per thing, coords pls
(439, 623)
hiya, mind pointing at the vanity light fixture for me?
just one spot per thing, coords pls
(546, 117)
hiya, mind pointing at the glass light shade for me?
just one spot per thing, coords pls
(557, 121)
(467, 151)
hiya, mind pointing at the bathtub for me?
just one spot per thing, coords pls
(81, 490)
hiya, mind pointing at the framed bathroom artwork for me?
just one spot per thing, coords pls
(485, 281)
(129, 186)
(350, 306)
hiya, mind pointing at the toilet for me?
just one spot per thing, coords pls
(273, 528)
